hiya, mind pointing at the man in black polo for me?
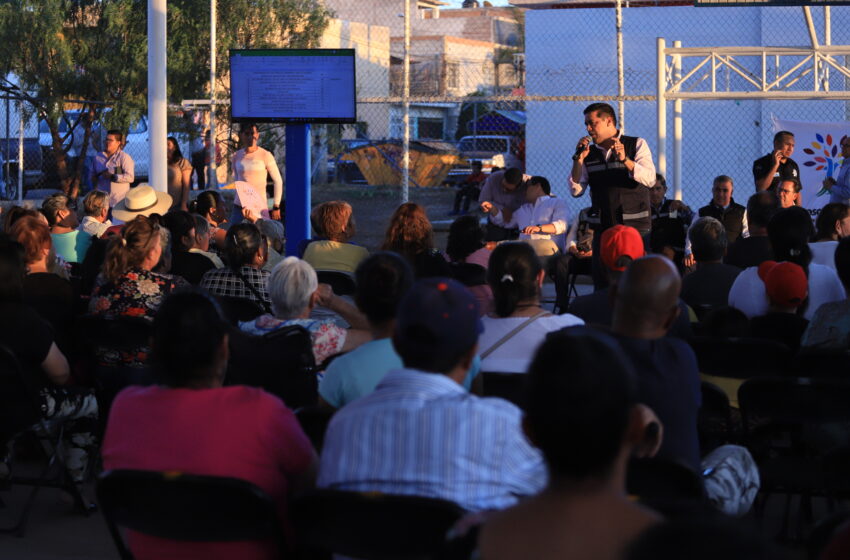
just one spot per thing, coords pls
(768, 170)
(670, 222)
(722, 207)
(619, 171)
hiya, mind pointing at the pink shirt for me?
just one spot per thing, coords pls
(237, 431)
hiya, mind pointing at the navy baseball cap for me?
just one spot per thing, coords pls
(439, 313)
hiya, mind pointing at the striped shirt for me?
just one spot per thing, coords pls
(422, 434)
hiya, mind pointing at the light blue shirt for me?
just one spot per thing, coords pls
(71, 246)
(422, 434)
(357, 373)
(840, 191)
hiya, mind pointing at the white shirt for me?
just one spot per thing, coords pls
(748, 293)
(515, 354)
(545, 210)
(644, 171)
(823, 252)
(94, 227)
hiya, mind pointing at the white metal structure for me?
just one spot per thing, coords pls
(157, 95)
(745, 73)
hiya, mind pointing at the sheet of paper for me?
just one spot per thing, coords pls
(250, 198)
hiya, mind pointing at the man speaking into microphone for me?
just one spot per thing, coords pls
(619, 171)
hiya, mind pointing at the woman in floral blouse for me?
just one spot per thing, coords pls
(127, 287)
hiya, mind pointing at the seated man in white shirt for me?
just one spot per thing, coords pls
(542, 220)
(95, 222)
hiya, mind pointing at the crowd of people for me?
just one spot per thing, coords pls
(608, 377)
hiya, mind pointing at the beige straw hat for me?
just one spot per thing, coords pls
(141, 201)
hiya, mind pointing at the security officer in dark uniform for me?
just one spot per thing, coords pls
(670, 222)
(619, 171)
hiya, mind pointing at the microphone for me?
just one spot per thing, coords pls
(581, 148)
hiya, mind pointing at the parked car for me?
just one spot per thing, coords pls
(491, 151)
(9, 165)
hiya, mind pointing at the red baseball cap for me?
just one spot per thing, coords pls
(785, 283)
(620, 241)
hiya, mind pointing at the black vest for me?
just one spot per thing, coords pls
(666, 230)
(732, 218)
(619, 198)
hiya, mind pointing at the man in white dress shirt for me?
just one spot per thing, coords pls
(542, 220)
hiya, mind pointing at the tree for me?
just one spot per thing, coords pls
(95, 52)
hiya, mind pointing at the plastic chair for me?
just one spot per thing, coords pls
(715, 417)
(280, 362)
(780, 415)
(20, 417)
(342, 283)
(238, 309)
(666, 486)
(508, 386)
(741, 358)
(374, 526)
(185, 507)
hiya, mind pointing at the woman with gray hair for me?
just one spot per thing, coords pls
(294, 291)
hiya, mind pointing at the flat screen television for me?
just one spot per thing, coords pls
(292, 85)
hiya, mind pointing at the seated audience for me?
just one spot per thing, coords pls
(829, 328)
(96, 208)
(583, 414)
(578, 258)
(669, 382)
(142, 200)
(619, 246)
(707, 287)
(723, 208)
(49, 294)
(832, 224)
(518, 323)
(189, 423)
(786, 287)
(724, 322)
(47, 373)
(210, 206)
(382, 280)
(670, 221)
(334, 223)
(127, 285)
(420, 433)
(410, 235)
(294, 290)
(755, 249)
(541, 220)
(201, 243)
(468, 256)
(245, 252)
(789, 232)
(15, 213)
(69, 242)
(185, 263)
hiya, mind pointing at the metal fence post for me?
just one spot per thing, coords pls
(677, 127)
(661, 105)
(405, 156)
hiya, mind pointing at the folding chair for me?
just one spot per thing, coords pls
(782, 417)
(374, 526)
(666, 486)
(341, 282)
(740, 358)
(185, 507)
(117, 337)
(508, 386)
(715, 418)
(238, 309)
(20, 417)
(280, 362)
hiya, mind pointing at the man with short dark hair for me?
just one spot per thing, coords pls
(420, 432)
(788, 192)
(770, 169)
(670, 221)
(113, 168)
(755, 249)
(723, 208)
(506, 191)
(619, 171)
(708, 286)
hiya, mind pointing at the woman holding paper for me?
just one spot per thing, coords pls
(254, 165)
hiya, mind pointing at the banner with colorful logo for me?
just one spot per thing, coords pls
(818, 153)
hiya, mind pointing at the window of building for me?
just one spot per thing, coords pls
(453, 74)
